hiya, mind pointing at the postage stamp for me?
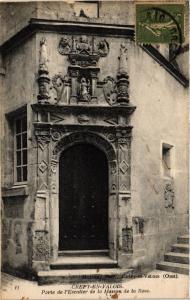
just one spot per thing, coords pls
(160, 23)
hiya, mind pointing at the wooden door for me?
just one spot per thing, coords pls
(83, 199)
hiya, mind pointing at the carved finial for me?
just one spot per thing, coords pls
(43, 59)
(43, 74)
(122, 77)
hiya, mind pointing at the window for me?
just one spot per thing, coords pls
(21, 149)
(166, 159)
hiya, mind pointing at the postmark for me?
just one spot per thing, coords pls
(160, 23)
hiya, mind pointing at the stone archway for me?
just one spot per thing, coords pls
(110, 154)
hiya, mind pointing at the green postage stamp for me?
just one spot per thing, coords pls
(160, 23)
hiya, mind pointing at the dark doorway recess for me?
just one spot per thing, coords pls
(83, 198)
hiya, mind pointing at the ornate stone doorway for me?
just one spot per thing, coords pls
(83, 198)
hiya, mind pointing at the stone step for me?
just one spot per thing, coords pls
(182, 258)
(84, 252)
(173, 267)
(83, 262)
(180, 248)
(69, 276)
(183, 239)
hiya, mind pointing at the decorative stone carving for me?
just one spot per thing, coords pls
(55, 135)
(60, 84)
(113, 166)
(41, 245)
(84, 90)
(110, 90)
(53, 188)
(123, 137)
(43, 166)
(139, 224)
(43, 74)
(42, 141)
(64, 47)
(123, 166)
(83, 50)
(169, 195)
(111, 120)
(83, 119)
(53, 166)
(103, 48)
(56, 118)
(122, 77)
(127, 239)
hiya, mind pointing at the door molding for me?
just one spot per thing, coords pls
(110, 152)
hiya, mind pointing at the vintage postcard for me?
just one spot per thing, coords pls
(94, 155)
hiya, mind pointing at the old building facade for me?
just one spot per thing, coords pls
(95, 138)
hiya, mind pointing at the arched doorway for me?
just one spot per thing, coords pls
(83, 198)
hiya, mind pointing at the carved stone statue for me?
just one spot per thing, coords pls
(60, 84)
(83, 44)
(43, 59)
(43, 74)
(122, 77)
(123, 60)
(84, 90)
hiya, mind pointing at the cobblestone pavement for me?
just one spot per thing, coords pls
(157, 284)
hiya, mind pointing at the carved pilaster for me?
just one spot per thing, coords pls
(124, 185)
(74, 73)
(41, 236)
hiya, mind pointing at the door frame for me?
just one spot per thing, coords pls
(110, 152)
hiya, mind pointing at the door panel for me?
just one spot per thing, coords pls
(83, 199)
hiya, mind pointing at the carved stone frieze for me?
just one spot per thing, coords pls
(169, 195)
(83, 50)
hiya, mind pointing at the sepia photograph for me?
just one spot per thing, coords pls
(94, 149)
